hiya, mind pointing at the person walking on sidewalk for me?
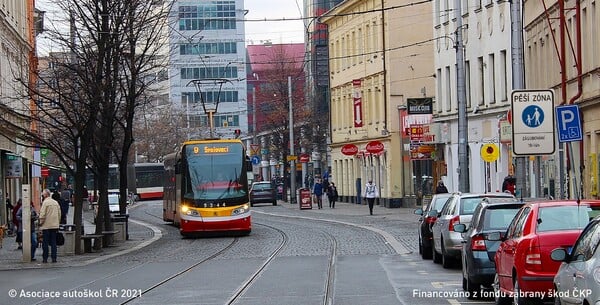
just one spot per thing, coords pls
(371, 193)
(318, 192)
(332, 195)
(49, 224)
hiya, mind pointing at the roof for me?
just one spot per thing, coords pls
(266, 57)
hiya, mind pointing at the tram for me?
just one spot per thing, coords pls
(206, 187)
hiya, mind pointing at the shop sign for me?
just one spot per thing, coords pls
(349, 149)
(375, 147)
(304, 158)
(420, 105)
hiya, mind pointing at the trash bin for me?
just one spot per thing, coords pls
(68, 232)
(304, 198)
(120, 223)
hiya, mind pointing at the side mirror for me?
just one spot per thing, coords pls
(494, 236)
(433, 213)
(559, 255)
(419, 211)
(460, 228)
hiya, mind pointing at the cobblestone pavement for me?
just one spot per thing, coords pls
(401, 223)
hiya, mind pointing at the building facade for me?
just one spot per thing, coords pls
(377, 62)
(486, 33)
(574, 45)
(17, 62)
(207, 66)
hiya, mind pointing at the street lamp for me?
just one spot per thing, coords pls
(401, 112)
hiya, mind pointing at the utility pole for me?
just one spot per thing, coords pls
(292, 162)
(518, 82)
(254, 114)
(463, 138)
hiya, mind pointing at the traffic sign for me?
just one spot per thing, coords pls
(255, 160)
(254, 149)
(569, 123)
(533, 130)
(292, 158)
(489, 152)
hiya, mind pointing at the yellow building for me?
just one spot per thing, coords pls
(543, 50)
(381, 54)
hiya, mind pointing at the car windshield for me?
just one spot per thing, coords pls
(499, 218)
(468, 204)
(439, 202)
(261, 187)
(558, 218)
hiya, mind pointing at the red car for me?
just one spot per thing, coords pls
(524, 269)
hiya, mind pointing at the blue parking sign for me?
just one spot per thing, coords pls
(568, 123)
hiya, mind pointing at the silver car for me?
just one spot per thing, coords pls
(447, 244)
(578, 278)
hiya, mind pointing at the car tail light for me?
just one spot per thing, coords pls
(453, 221)
(478, 243)
(430, 220)
(533, 259)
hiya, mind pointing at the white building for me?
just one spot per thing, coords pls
(486, 35)
(206, 42)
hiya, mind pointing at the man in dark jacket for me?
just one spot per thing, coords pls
(441, 188)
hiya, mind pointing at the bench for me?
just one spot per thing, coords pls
(108, 237)
(87, 241)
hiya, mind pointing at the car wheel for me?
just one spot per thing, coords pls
(420, 246)
(275, 202)
(518, 298)
(499, 297)
(437, 258)
(472, 288)
(446, 260)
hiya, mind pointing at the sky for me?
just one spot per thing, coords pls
(276, 32)
(257, 32)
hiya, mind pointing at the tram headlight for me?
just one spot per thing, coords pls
(189, 212)
(241, 210)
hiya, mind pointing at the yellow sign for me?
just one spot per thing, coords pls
(292, 158)
(489, 152)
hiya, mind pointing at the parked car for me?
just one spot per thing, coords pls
(524, 268)
(426, 222)
(447, 244)
(113, 206)
(262, 192)
(578, 278)
(478, 252)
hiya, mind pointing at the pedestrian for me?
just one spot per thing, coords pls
(332, 195)
(371, 193)
(9, 209)
(33, 220)
(65, 202)
(318, 192)
(441, 188)
(17, 225)
(49, 224)
(508, 186)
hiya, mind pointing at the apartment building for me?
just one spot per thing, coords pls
(380, 56)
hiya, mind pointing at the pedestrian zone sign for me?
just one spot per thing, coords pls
(533, 122)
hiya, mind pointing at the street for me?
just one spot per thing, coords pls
(329, 256)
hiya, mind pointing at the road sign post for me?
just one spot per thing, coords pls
(533, 122)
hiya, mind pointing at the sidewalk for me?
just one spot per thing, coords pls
(140, 235)
(353, 209)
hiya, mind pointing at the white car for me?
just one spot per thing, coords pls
(113, 206)
(578, 278)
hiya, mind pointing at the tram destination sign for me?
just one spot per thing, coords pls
(533, 131)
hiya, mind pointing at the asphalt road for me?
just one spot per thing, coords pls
(291, 257)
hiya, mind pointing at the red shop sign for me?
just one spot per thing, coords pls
(349, 149)
(375, 147)
(304, 158)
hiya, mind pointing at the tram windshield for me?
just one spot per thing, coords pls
(215, 171)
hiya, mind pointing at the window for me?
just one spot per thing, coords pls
(468, 82)
(503, 77)
(587, 243)
(213, 15)
(448, 90)
(440, 88)
(208, 48)
(492, 77)
(211, 72)
(481, 80)
(210, 97)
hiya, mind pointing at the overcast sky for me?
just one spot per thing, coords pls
(256, 31)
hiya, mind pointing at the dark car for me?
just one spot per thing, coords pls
(262, 192)
(426, 221)
(478, 268)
